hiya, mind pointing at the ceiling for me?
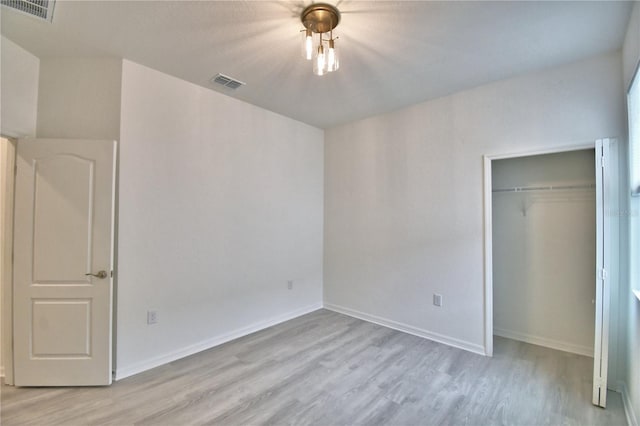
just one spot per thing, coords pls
(392, 54)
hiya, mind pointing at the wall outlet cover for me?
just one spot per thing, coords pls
(437, 299)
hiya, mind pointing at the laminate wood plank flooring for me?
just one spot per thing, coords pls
(325, 368)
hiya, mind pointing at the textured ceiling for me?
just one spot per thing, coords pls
(392, 54)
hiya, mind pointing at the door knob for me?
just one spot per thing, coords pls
(100, 274)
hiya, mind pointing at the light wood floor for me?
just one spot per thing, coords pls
(329, 369)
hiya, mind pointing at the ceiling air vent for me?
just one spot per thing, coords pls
(42, 9)
(227, 81)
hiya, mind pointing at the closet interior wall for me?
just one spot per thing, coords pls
(544, 249)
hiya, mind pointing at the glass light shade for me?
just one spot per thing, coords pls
(307, 44)
(333, 62)
(320, 61)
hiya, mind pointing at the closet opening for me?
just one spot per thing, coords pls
(551, 249)
(544, 250)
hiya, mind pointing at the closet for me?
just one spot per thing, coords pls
(544, 249)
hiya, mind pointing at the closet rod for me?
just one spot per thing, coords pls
(545, 188)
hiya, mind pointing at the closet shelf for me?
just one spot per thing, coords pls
(637, 293)
(546, 188)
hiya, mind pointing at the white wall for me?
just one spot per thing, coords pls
(403, 191)
(544, 251)
(79, 98)
(631, 313)
(19, 72)
(221, 204)
(631, 47)
(631, 249)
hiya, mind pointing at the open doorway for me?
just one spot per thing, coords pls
(544, 250)
(534, 244)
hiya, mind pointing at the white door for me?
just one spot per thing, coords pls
(63, 257)
(606, 258)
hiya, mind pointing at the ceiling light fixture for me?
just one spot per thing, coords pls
(320, 18)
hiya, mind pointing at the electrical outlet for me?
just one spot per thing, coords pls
(152, 317)
(290, 285)
(437, 299)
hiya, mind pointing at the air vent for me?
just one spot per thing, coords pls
(42, 9)
(227, 81)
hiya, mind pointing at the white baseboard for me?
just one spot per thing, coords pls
(543, 341)
(440, 338)
(628, 406)
(139, 367)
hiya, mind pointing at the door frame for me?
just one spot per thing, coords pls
(6, 280)
(488, 228)
(607, 278)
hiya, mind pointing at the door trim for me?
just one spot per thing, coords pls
(607, 282)
(600, 353)
(6, 280)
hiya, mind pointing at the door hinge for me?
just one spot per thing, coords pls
(603, 274)
(602, 161)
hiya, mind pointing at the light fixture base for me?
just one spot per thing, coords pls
(320, 17)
